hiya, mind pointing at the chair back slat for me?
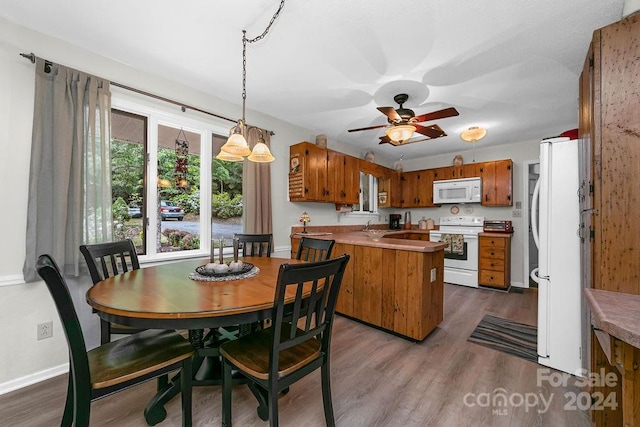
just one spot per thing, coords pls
(255, 244)
(314, 250)
(109, 259)
(322, 281)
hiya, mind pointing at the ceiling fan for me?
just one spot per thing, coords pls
(404, 119)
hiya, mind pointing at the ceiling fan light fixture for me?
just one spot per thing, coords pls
(400, 133)
(473, 134)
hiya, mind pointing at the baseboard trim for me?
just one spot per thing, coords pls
(518, 285)
(13, 279)
(31, 379)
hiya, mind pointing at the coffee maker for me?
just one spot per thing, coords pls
(394, 221)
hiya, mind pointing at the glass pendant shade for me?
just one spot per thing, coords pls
(223, 155)
(261, 153)
(236, 145)
(400, 133)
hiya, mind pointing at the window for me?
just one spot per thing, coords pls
(368, 195)
(168, 191)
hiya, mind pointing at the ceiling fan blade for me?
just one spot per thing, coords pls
(385, 140)
(391, 113)
(433, 131)
(367, 128)
(435, 115)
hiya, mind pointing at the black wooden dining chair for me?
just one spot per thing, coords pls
(313, 250)
(255, 244)
(114, 366)
(105, 260)
(298, 342)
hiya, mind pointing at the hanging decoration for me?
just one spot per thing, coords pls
(182, 160)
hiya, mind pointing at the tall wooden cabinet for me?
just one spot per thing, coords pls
(610, 127)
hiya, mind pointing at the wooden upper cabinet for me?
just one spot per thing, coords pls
(320, 175)
(497, 182)
(409, 185)
(318, 185)
(371, 168)
(424, 184)
(389, 190)
(442, 173)
(343, 178)
(317, 174)
(456, 172)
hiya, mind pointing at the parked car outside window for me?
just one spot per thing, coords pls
(169, 210)
(135, 212)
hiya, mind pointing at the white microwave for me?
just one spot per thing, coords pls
(465, 190)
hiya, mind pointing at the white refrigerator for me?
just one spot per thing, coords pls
(558, 273)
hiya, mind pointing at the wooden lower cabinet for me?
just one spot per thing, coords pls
(494, 260)
(392, 289)
(345, 298)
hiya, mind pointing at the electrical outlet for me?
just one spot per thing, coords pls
(517, 213)
(433, 274)
(45, 330)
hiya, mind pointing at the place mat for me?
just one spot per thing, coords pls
(224, 277)
(507, 336)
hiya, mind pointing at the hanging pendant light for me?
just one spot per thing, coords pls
(261, 153)
(236, 146)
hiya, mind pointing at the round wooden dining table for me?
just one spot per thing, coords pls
(164, 297)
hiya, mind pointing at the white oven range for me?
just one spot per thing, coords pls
(461, 269)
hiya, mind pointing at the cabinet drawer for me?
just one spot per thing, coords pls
(492, 253)
(495, 264)
(492, 242)
(492, 278)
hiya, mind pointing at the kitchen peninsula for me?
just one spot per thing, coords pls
(394, 280)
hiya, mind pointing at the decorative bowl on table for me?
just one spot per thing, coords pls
(375, 235)
(204, 271)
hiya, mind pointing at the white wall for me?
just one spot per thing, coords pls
(518, 152)
(22, 306)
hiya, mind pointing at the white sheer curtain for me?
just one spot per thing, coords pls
(256, 190)
(70, 175)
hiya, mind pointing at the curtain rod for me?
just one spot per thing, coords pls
(32, 57)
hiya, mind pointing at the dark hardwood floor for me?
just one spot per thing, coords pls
(378, 379)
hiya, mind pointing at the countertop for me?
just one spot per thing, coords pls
(361, 238)
(615, 313)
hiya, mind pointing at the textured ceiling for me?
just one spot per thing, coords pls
(509, 65)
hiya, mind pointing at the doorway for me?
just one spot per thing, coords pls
(531, 172)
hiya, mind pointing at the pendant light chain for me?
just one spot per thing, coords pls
(236, 147)
(244, 56)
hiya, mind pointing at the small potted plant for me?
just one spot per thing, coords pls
(304, 219)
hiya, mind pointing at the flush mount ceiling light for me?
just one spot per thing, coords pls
(400, 133)
(236, 147)
(473, 134)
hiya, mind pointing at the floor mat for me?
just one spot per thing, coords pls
(508, 336)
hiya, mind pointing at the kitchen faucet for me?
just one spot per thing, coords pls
(368, 226)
